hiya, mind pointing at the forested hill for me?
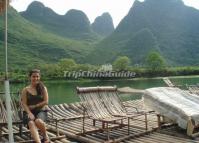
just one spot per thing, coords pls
(167, 26)
(44, 37)
(103, 25)
(74, 24)
(30, 44)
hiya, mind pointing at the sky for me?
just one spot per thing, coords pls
(92, 8)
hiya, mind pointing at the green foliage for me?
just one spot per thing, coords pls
(74, 24)
(67, 65)
(167, 26)
(103, 25)
(86, 67)
(141, 31)
(154, 61)
(30, 46)
(51, 71)
(187, 70)
(54, 72)
(121, 63)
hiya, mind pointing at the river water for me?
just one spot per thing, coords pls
(65, 91)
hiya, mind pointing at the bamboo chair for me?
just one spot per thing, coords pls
(194, 89)
(168, 82)
(17, 116)
(50, 121)
(97, 111)
(15, 109)
(115, 106)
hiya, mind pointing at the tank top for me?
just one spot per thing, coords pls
(34, 99)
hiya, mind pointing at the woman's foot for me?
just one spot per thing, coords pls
(46, 139)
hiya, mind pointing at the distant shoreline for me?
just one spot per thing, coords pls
(113, 79)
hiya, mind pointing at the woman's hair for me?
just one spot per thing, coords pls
(40, 86)
(33, 71)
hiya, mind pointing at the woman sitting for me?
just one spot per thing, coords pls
(34, 102)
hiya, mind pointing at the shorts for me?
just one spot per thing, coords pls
(39, 114)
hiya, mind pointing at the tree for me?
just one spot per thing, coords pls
(121, 63)
(155, 61)
(67, 64)
(51, 71)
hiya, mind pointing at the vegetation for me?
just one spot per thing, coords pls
(49, 41)
(74, 24)
(30, 45)
(103, 25)
(121, 63)
(67, 64)
(68, 68)
(168, 27)
(155, 62)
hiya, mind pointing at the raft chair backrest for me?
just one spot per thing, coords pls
(15, 107)
(193, 89)
(103, 100)
(112, 101)
(91, 100)
(168, 82)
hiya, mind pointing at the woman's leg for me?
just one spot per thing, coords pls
(42, 126)
(34, 131)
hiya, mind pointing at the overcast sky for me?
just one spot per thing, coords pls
(92, 8)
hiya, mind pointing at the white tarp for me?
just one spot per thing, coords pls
(174, 103)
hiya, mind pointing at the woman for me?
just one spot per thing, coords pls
(34, 102)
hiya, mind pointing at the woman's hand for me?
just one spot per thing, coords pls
(31, 116)
(32, 107)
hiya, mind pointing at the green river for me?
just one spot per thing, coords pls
(65, 91)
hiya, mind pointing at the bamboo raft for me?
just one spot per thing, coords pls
(193, 89)
(69, 124)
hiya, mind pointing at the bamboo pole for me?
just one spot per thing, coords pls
(4, 7)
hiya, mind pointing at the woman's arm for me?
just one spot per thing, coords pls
(24, 100)
(24, 104)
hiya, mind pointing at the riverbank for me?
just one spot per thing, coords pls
(93, 80)
(93, 74)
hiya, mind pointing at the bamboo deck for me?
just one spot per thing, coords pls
(70, 124)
